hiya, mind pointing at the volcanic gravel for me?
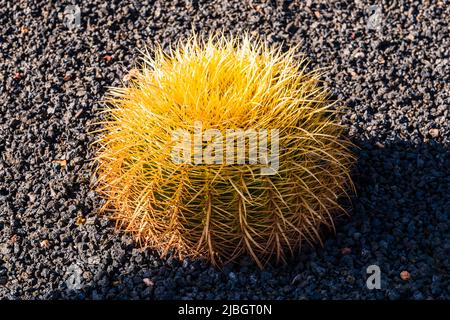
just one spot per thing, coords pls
(391, 74)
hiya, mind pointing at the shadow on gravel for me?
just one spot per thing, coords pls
(399, 222)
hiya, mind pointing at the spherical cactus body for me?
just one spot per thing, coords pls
(222, 147)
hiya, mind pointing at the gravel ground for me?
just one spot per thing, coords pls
(391, 73)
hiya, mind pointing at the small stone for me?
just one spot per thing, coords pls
(359, 55)
(232, 276)
(81, 93)
(14, 238)
(405, 275)
(24, 30)
(91, 220)
(148, 282)
(93, 260)
(4, 249)
(434, 133)
(17, 76)
(379, 145)
(80, 220)
(32, 197)
(157, 12)
(62, 162)
(116, 283)
(87, 275)
(45, 244)
(345, 251)
(24, 276)
(108, 58)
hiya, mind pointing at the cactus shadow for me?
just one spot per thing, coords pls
(402, 192)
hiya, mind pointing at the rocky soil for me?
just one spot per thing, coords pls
(389, 66)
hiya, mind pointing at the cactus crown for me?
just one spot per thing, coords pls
(221, 210)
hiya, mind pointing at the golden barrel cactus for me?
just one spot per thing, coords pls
(208, 206)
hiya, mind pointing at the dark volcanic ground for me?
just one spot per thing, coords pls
(392, 73)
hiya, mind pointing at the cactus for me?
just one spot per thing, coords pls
(222, 210)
